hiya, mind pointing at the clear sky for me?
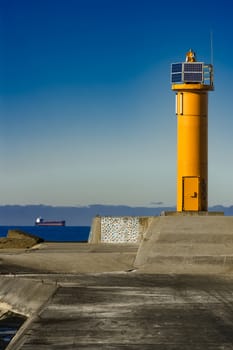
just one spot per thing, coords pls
(86, 110)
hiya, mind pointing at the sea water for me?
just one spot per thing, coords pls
(53, 233)
(9, 325)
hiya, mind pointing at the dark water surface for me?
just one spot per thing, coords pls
(9, 325)
(53, 233)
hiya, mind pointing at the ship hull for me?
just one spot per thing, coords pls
(50, 223)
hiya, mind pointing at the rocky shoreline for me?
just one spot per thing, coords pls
(17, 239)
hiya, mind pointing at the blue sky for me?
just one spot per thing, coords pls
(86, 110)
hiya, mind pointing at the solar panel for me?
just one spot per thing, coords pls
(176, 67)
(193, 67)
(177, 78)
(176, 73)
(192, 77)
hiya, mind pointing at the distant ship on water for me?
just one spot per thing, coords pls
(41, 222)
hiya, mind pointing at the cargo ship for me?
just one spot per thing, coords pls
(41, 222)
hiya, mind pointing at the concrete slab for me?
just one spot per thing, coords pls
(187, 244)
(133, 311)
(71, 258)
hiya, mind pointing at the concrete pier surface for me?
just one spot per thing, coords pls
(170, 290)
(125, 311)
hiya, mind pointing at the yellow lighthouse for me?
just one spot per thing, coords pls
(192, 81)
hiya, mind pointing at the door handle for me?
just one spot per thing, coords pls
(194, 195)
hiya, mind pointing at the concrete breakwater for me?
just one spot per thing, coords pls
(100, 295)
(129, 311)
(164, 244)
(23, 295)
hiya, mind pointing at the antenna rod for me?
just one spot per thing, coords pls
(211, 48)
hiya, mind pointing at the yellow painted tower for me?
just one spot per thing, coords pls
(192, 81)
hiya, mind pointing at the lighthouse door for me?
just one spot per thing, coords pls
(191, 196)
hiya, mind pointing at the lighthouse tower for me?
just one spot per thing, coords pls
(192, 80)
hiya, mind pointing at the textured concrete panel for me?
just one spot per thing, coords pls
(119, 229)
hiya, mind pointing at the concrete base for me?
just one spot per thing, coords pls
(192, 213)
(187, 244)
(181, 242)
